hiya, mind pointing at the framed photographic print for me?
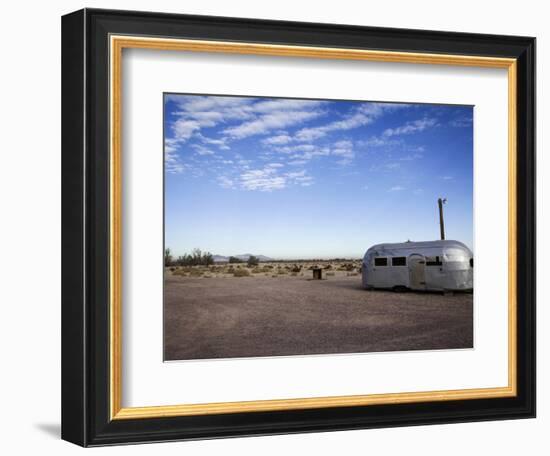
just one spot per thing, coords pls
(277, 227)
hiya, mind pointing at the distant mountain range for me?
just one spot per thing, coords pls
(243, 257)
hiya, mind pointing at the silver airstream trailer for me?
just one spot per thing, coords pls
(431, 265)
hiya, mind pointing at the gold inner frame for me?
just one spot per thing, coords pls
(117, 44)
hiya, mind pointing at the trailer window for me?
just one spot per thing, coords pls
(399, 261)
(434, 261)
(471, 262)
(382, 261)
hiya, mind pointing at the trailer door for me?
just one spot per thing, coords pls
(417, 272)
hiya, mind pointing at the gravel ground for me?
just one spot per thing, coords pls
(275, 316)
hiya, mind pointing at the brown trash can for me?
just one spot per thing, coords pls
(318, 274)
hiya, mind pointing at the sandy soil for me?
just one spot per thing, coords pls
(226, 317)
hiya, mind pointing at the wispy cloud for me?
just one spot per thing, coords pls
(462, 121)
(219, 136)
(377, 141)
(411, 127)
(411, 157)
(277, 140)
(297, 148)
(386, 166)
(364, 114)
(311, 152)
(264, 180)
(297, 162)
(206, 103)
(267, 179)
(286, 105)
(264, 124)
(344, 149)
(302, 153)
(397, 188)
(220, 143)
(354, 121)
(184, 128)
(196, 117)
(256, 116)
(201, 150)
(226, 182)
(300, 178)
(172, 162)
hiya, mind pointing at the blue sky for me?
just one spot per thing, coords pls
(293, 178)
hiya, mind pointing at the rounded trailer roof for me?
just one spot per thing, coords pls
(439, 244)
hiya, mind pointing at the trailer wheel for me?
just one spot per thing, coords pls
(400, 289)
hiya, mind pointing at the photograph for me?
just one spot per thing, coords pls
(297, 227)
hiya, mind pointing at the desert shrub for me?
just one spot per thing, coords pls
(328, 266)
(195, 258)
(173, 269)
(253, 261)
(281, 271)
(179, 272)
(241, 273)
(195, 273)
(296, 268)
(293, 274)
(233, 259)
(168, 257)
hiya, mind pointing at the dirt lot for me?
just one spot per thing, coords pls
(226, 317)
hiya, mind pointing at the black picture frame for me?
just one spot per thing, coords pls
(85, 225)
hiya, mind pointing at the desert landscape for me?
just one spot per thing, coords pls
(276, 308)
(309, 188)
(301, 268)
